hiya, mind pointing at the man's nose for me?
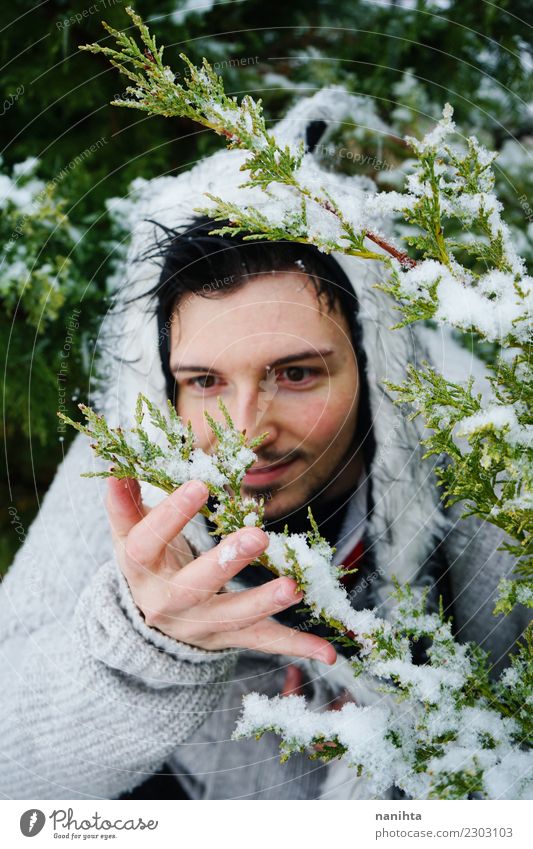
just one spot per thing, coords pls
(252, 409)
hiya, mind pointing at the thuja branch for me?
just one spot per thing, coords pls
(447, 705)
(172, 459)
(402, 256)
(492, 297)
(155, 89)
(459, 734)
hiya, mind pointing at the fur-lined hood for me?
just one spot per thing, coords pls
(407, 518)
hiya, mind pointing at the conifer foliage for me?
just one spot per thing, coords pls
(443, 729)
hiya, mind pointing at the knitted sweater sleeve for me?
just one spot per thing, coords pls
(92, 700)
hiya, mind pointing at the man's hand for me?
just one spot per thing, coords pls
(183, 596)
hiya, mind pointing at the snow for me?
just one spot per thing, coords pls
(200, 466)
(227, 552)
(322, 591)
(490, 304)
(482, 740)
(497, 417)
(445, 719)
(425, 274)
(435, 138)
(426, 682)
(201, 7)
(280, 81)
(465, 307)
(348, 194)
(125, 211)
(172, 465)
(234, 463)
(203, 467)
(24, 196)
(362, 730)
(457, 759)
(469, 206)
(25, 168)
(478, 723)
(17, 271)
(485, 157)
(498, 283)
(510, 677)
(385, 203)
(512, 778)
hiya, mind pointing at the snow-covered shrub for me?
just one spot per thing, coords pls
(446, 730)
(37, 272)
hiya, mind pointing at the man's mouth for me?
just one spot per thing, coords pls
(267, 472)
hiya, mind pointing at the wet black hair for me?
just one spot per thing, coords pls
(211, 266)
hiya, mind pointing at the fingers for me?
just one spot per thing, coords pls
(206, 575)
(272, 637)
(236, 610)
(124, 505)
(148, 538)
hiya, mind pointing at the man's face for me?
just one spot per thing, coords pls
(248, 346)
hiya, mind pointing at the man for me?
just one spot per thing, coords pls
(278, 347)
(127, 641)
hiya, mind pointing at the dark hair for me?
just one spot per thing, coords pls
(193, 262)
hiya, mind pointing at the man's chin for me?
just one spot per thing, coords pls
(285, 504)
(282, 508)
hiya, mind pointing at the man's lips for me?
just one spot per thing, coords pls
(267, 472)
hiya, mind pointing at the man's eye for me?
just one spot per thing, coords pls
(298, 374)
(207, 381)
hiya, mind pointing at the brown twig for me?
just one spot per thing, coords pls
(402, 257)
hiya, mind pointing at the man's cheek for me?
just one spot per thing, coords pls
(319, 421)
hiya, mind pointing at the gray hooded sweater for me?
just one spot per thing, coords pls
(93, 701)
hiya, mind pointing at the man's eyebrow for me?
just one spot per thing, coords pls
(281, 361)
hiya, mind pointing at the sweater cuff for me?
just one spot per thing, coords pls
(114, 632)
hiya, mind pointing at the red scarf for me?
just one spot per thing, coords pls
(350, 562)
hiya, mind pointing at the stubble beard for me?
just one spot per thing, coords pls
(316, 493)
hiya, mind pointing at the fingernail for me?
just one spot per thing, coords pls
(250, 544)
(287, 595)
(194, 490)
(324, 656)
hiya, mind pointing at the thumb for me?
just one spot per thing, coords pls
(124, 505)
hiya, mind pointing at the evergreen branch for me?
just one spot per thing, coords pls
(203, 100)
(451, 692)
(477, 285)
(401, 256)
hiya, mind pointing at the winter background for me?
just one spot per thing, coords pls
(72, 164)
